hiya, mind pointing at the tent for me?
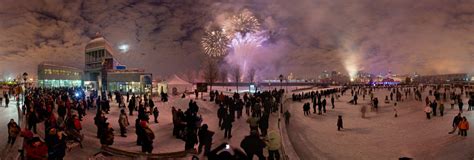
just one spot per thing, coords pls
(178, 86)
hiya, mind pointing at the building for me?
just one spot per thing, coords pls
(443, 78)
(104, 73)
(53, 75)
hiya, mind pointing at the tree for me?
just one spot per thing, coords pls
(251, 75)
(211, 72)
(223, 75)
(236, 74)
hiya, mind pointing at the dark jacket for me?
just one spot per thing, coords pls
(252, 144)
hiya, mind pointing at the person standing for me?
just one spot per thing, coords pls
(221, 112)
(7, 100)
(263, 124)
(463, 126)
(460, 105)
(456, 121)
(13, 131)
(227, 126)
(428, 112)
(253, 145)
(434, 107)
(107, 137)
(155, 114)
(253, 122)
(287, 115)
(339, 123)
(148, 137)
(324, 105)
(123, 123)
(441, 109)
(332, 101)
(205, 139)
(306, 109)
(273, 142)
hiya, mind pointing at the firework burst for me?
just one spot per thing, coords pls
(243, 22)
(215, 43)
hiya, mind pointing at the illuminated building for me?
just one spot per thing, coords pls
(53, 75)
(104, 73)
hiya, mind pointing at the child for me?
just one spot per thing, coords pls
(428, 111)
(339, 123)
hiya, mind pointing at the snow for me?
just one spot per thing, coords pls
(380, 135)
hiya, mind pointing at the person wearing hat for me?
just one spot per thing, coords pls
(123, 123)
(13, 131)
(253, 145)
(205, 139)
(273, 142)
(148, 136)
(107, 137)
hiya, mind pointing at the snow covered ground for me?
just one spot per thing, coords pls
(380, 135)
(164, 141)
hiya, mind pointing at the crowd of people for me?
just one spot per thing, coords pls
(61, 110)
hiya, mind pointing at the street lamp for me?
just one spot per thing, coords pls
(281, 96)
(25, 77)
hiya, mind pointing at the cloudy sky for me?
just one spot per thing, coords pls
(404, 36)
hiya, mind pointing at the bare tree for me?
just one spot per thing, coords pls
(251, 75)
(236, 74)
(211, 72)
(223, 75)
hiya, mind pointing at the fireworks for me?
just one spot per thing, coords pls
(215, 43)
(244, 22)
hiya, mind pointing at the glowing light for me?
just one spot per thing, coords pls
(215, 43)
(243, 22)
(124, 48)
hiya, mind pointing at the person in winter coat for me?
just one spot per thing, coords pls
(36, 149)
(332, 101)
(306, 108)
(441, 109)
(428, 112)
(456, 121)
(339, 123)
(205, 139)
(221, 114)
(100, 121)
(273, 142)
(227, 126)
(13, 131)
(191, 139)
(123, 123)
(107, 137)
(32, 120)
(139, 131)
(287, 115)
(263, 124)
(463, 126)
(253, 145)
(253, 122)
(460, 105)
(56, 143)
(148, 137)
(155, 114)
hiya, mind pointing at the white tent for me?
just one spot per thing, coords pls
(177, 85)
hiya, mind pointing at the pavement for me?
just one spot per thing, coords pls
(380, 135)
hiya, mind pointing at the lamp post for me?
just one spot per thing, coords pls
(281, 96)
(25, 77)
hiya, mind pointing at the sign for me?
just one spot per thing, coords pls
(120, 67)
(201, 87)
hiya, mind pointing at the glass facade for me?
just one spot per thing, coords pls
(135, 87)
(54, 83)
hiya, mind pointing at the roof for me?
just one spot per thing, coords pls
(176, 80)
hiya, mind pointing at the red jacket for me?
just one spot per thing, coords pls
(36, 153)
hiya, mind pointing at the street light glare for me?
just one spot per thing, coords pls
(124, 48)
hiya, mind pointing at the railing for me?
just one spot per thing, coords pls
(21, 123)
(286, 149)
(140, 155)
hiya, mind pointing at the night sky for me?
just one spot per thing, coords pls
(308, 36)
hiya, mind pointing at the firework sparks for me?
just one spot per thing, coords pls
(215, 43)
(243, 22)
